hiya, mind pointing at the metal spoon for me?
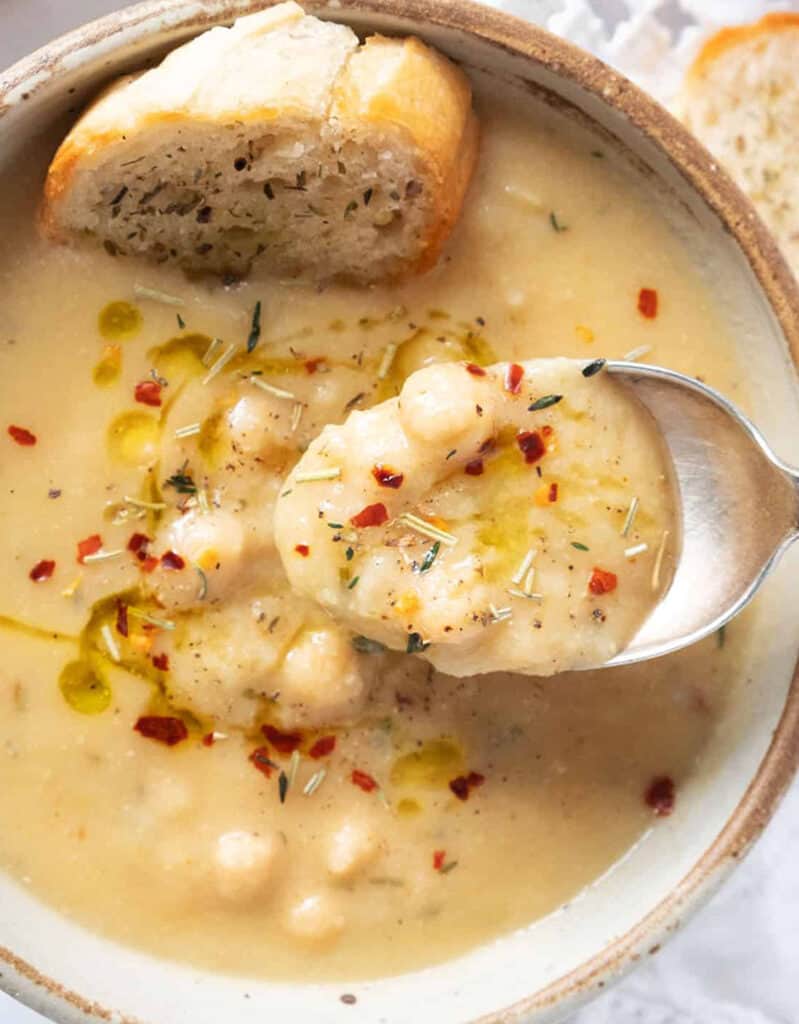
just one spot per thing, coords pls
(739, 505)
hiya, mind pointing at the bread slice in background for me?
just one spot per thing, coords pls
(281, 140)
(741, 99)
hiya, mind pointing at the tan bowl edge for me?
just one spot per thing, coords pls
(693, 162)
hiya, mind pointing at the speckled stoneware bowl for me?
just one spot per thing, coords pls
(543, 973)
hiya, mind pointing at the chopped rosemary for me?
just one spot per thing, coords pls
(446, 868)
(364, 645)
(181, 321)
(430, 557)
(593, 368)
(182, 481)
(451, 452)
(388, 358)
(153, 506)
(104, 556)
(203, 591)
(721, 636)
(141, 291)
(110, 642)
(282, 786)
(270, 388)
(629, 519)
(580, 547)
(636, 549)
(353, 582)
(516, 592)
(502, 614)
(556, 225)
(427, 529)
(351, 207)
(415, 644)
(636, 353)
(348, 554)
(336, 526)
(312, 475)
(524, 567)
(544, 403)
(294, 764)
(221, 363)
(255, 328)
(314, 782)
(210, 352)
(137, 613)
(659, 560)
(296, 416)
(188, 431)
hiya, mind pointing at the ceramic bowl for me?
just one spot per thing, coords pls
(544, 972)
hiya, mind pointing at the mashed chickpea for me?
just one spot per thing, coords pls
(480, 519)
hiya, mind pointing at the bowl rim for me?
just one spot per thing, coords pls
(42, 69)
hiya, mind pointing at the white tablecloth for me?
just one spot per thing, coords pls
(736, 962)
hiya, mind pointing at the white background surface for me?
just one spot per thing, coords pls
(737, 962)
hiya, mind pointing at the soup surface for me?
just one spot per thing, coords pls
(200, 763)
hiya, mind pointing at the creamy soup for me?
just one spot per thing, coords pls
(198, 761)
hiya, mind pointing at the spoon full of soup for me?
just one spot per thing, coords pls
(536, 517)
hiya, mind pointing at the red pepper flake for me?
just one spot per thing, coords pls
(138, 545)
(312, 365)
(122, 618)
(162, 728)
(260, 758)
(474, 468)
(532, 445)
(602, 582)
(475, 370)
(90, 546)
(648, 303)
(148, 563)
(42, 570)
(209, 740)
(171, 560)
(22, 436)
(552, 493)
(324, 745)
(439, 856)
(660, 795)
(283, 742)
(302, 549)
(372, 515)
(513, 378)
(387, 477)
(161, 662)
(464, 784)
(363, 781)
(148, 392)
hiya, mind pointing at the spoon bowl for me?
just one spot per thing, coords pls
(738, 505)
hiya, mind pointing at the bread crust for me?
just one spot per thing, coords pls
(732, 37)
(405, 84)
(386, 86)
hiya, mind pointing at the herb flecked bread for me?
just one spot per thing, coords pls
(282, 139)
(741, 98)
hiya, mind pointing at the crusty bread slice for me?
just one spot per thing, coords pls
(279, 139)
(741, 99)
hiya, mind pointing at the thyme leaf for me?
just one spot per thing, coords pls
(544, 402)
(255, 328)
